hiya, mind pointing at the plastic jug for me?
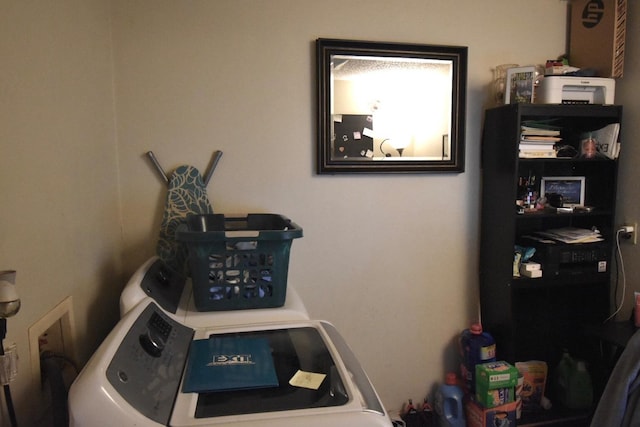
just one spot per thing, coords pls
(476, 346)
(449, 405)
(575, 389)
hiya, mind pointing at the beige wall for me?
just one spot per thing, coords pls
(628, 198)
(59, 222)
(390, 260)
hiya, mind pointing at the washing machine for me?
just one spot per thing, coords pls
(139, 374)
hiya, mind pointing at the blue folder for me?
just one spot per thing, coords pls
(229, 362)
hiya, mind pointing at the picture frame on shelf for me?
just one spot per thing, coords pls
(520, 84)
(570, 188)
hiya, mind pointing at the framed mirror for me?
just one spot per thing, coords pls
(390, 107)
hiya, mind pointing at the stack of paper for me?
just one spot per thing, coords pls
(538, 142)
(572, 235)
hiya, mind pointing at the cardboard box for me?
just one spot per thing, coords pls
(495, 383)
(492, 398)
(477, 416)
(533, 274)
(530, 266)
(597, 36)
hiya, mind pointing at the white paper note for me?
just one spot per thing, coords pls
(308, 380)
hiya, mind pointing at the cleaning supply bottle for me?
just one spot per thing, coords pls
(575, 388)
(449, 403)
(410, 415)
(426, 415)
(476, 346)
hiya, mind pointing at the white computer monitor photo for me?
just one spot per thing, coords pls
(571, 188)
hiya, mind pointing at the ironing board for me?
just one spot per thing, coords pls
(187, 194)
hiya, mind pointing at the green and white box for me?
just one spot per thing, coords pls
(495, 383)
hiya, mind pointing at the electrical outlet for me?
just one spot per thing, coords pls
(630, 232)
(51, 345)
(55, 333)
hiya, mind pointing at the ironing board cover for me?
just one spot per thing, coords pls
(187, 194)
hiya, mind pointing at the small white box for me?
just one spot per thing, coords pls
(576, 90)
(529, 266)
(533, 274)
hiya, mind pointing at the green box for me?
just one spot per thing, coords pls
(495, 383)
(494, 375)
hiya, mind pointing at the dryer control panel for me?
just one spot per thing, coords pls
(147, 367)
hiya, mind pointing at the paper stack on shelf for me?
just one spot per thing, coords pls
(538, 142)
(572, 235)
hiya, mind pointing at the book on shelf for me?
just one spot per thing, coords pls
(540, 130)
(616, 150)
(229, 362)
(606, 140)
(540, 139)
(534, 154)
(538, 142)
(532, 146)
(610, 151)
(544, 143)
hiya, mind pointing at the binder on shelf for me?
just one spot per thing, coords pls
(606, 140)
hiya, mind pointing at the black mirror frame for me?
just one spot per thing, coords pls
(325, 48)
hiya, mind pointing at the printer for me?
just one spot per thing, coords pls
(575, 90)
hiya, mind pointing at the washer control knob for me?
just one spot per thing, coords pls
(152, 343)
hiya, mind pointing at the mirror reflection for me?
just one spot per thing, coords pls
(390, 107)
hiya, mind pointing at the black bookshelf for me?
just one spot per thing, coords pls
(537, 318)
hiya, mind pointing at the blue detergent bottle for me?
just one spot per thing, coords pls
(476, 347)
(449, 405)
